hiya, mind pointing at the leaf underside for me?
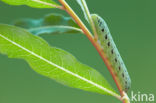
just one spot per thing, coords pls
(83, 9)
(50, 24)
(51, 62)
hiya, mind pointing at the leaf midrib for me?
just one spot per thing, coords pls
(61, 68)
(57, 26)
(45, 3)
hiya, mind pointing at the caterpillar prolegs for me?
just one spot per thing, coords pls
(109, 48)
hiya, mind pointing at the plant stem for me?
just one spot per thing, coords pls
(76, 18)
(69, 10)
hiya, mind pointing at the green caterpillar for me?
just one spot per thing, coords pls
(106, 42)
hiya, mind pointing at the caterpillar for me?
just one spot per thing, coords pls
(109, 48)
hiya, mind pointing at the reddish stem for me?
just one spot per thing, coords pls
(94, 42)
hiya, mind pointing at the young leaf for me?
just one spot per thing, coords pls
(84, 8)
(50, 24)
(34, 3)
(87, 15)
(51, 62)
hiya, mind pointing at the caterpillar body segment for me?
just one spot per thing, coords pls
(109, 48)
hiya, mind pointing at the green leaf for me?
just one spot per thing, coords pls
(33, 3)
(82, 4)
(50, 24)
(51, 62)
(87, 14)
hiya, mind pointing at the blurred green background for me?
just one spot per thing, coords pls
(133, 26)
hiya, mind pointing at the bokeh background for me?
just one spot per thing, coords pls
(133, 26)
